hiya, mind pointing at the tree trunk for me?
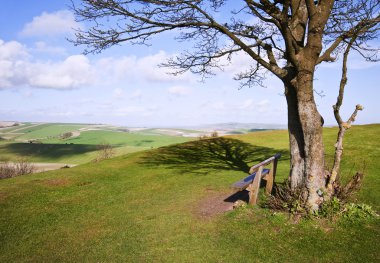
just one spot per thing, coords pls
(296, 140)
(306, 142)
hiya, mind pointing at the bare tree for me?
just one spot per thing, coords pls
(13, 169)
(105, 151)
(287, 38)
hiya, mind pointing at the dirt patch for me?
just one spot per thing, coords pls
(56, 182)
(75, 134)
(3, 196)
(43, 167)
(215, 203)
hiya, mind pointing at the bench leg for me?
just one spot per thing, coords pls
(270, 178)
(254, 187)
(269, 186)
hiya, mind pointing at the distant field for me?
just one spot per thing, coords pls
(13, 128)
(47, 130)
(48, 146)
(120, 139)
(160, 206)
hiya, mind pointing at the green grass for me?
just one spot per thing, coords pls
(47, 130)
(121, 138)
(144, 207)
(79, 149)
(12, 128)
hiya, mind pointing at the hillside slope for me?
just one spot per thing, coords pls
(150, 207)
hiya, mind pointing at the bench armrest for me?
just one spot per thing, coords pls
(267, 161)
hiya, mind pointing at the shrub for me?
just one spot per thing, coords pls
(105, 151)
(66, 135)
(338, 206)
(21, 167)
(284, 199)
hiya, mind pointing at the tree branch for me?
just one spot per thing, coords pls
(361, 28)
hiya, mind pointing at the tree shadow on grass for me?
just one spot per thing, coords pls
(202, 156)
(51, 151)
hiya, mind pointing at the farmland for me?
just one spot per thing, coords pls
(43, 142)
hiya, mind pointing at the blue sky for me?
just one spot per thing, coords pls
(44, 78)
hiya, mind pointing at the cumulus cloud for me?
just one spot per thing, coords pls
(145, 68)
(21, 66)
(149, 65)
(12, 54)
(73, 72)
(43, 47)
(17, 69)
(50, 24)
(12, 50)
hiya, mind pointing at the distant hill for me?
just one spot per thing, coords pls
(236, 127)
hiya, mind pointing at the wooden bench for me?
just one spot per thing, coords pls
(257, 172)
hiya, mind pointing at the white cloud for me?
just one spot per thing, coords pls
(73, 72)
(43, 47)
(17, 69)
(179, 90)
(51, 24)
(12, 50)
(149, 65)
(144, 68)
(21, 66)
(240, 61)
(12, 55)
(118, 68)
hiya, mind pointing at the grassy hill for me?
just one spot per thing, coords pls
(161, 206)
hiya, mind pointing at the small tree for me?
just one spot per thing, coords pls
(21, 167)
(287, 38)
(105, 151)
(66, 135)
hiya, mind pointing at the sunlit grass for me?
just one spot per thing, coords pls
(143, 207)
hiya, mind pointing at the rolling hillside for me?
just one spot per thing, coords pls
(167, 205)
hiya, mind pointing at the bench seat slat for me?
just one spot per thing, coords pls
(243, 183)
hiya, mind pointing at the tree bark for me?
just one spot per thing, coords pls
(296, 140)
(306, 142)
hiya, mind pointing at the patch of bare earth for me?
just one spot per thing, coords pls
(75, 134)
(43, 167)
(56, 182)
(3, 196)
(213, 204)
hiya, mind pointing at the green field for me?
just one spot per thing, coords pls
(48, 146)
(47, 130)
(150, 207)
